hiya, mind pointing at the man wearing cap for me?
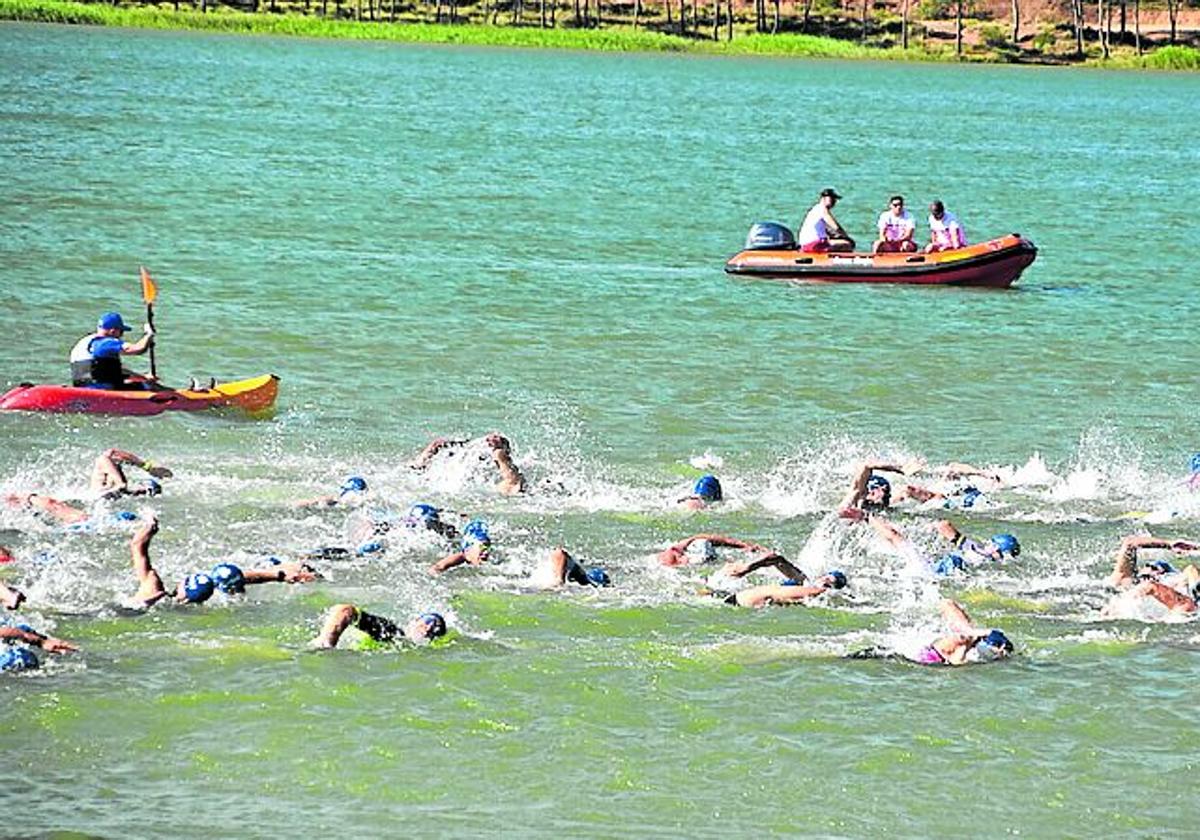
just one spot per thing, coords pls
(945, 231)
(425, 627)
(821, 231)
(96, 358)
(896, 229)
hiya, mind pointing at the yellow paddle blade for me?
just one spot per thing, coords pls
(149, 290)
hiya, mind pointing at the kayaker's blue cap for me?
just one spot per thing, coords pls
(354, 484)
(1007, 544)
(112, 321)
(838, 577)
(435, 623)
(598, 577)
(153, 488)
(17, 659)
(228, 578)
(707, 488)
(198, 588)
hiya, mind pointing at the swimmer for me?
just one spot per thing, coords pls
(425, 627)
(706, 491)
(199, 587)
(793, 590)
(1193, 479)
(869, 492)
(352, 492)
(512, 481)
(676, 553)
(108, 479)
(475, 548)
(20, 658)
(73, 517)
(561, 568)
(1176, 590)
(10, 598)
(966, 644)
(965, 552)
(426, 517)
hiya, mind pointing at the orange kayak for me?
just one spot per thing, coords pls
(996, 263)
(254, 396)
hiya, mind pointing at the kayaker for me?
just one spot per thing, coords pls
(96, 358)
(896, 228)
(341, 617)
(199, 587)
(945, 231)
(511, 482)
(821, 231)
(706, 491)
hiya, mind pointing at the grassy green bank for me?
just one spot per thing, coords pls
(622, 38)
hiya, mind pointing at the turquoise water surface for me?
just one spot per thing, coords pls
(425, 241)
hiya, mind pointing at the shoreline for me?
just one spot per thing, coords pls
(611, 38)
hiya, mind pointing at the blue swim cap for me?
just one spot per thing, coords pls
(997, 641)
(17, 659)
(1007, 544)
(948, 564)
(228, 578)
(878, 482)
(112, 321)
(421, 514)
(476, 531)
(124, 516)
(707, 488)
(435, 623)
(373, 547)
(839, 578)
(598, 577)
(198, 588)
(1162, 567)
(1195, 463)
(153, 488)
(969, 496)
(789, 582)
(353, 484)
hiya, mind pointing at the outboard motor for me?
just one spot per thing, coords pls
(770, 236)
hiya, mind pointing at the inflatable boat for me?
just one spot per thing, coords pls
(771, 254)
(255, 396)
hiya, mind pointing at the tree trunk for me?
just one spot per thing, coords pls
(1077, 19)
(760, 15)
(578, 15)
(542, 12)
(1016, 22)
(1173, 14)
(729, 21)
(667, 5)
(903, 23)
(958, 28)
(682, 17)
(1100, 28)
(695, 17)
(1124, 30)
(716, 20)
(775, 18)
(453, 11)
(637, 12)
(862, 35)
(807, 15)
(1137, 26)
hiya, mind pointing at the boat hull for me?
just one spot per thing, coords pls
(996, 263)
(254, 396)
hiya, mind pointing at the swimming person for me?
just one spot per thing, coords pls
(474, 549)
(352, 492)
(425, 627)
(199, 587)
(792, 590)
(108, 479)
(821, 231)
(75, 519)
(19, 657)
(705, 492)
(676, 553)
(96, 358)
(561, 568)
(966, 644)
(1157, 582)
(512, 481)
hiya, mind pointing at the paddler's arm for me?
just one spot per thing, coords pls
(957, 619)
(432, 448)
(1166, 596)
(140, 346)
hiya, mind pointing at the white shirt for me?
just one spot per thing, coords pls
(895, 227)
(814, 228)
(942, 231)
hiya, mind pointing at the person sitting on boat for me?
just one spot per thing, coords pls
(341, 617)
(198, 588)
(96, 358)
(821, 231)
(511, 482)
(896, 228)
(1157, 582)
(945, 231)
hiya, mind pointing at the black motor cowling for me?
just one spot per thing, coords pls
(770, 236)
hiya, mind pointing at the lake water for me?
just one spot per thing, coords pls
(427, 241)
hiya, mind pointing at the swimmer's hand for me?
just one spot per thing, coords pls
(298, 573)
(157, 471)
(672, 556)
(53, 645)
(737, 569)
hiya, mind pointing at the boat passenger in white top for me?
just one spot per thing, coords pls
(945, 231)
(821, 231)
(896, 228)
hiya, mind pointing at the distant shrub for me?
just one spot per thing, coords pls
(1174, 58)
(993, 35)
(1046, 38)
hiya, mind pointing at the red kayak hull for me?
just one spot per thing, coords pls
(996, 263)
(255, 396)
